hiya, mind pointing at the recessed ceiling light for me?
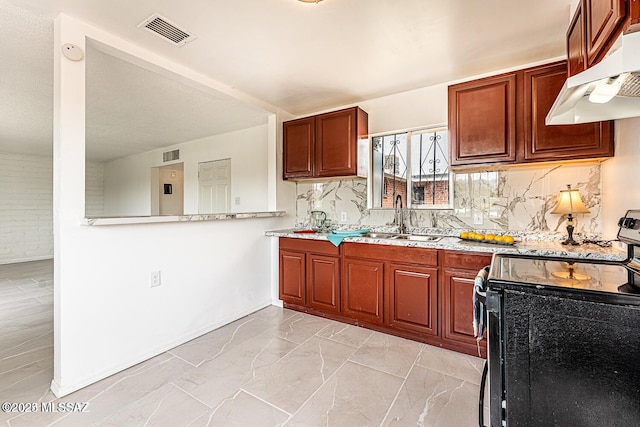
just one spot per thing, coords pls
(310, 1)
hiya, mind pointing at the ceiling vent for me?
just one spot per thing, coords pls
(167, 30)
(169, 156)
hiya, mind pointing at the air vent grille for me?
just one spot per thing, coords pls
(171, 155)
(631, 86)
(166, 29)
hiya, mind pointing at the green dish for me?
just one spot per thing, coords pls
(349, 231)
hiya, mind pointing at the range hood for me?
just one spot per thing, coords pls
(615, 81)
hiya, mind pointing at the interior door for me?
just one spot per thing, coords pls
(214, 183)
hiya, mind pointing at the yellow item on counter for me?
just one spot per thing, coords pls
(508, 239)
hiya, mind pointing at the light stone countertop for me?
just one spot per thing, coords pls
(541, 248)
(122, 220)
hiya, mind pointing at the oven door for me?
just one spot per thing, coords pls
(558, 360)
(495, 356)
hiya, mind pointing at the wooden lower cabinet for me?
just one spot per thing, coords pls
(412, 298)
(323, 282)
(418, 293)
(292, 277)
(362, 290)
(456, 294)
(309, 274)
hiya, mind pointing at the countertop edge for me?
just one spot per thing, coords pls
(529, 248)
(178, 218)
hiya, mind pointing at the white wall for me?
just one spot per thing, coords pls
(407, 110)
(106, 317)
(26, 206)
(94, 189)
(620, 176)
(128, 180)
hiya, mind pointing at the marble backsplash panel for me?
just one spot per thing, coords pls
(515, 199)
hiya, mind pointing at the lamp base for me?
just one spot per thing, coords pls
(570, 240)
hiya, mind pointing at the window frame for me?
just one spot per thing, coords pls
(409, 181)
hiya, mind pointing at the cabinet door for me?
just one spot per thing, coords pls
(603, 25)
(336, 143)
(542, 142)
(298, 147)
(457, 311)
(577, 43)
(292, 277)
(323, 279)
(412, 298)
(362, 283)
(482, 121)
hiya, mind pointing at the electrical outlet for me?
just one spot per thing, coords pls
(237, 201)
(477, 217)
(154, 278)
(343, 217)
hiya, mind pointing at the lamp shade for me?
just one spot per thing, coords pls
(569, 201)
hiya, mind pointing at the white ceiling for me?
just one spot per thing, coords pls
(299, 57)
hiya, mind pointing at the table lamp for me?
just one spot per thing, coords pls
(569, 202)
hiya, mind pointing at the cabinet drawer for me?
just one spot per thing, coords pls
(403, 254)
(307, 245)
(466, 260)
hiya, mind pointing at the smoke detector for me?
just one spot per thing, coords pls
(167, 30)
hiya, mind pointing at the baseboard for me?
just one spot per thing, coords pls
(277, 302)
(19, 260)
(63, 390)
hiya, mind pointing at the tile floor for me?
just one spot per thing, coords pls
(274, 367)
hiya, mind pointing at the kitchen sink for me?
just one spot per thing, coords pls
(375, 235)
(398, 236)
(417, 237)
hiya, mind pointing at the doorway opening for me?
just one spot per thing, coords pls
(167, 189)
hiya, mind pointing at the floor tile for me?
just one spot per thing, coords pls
(346, 334)
(387, 353)
(273, 367)
(213, 344)
(289, 382)
(299, 327)
(430, 398)
(355, 396)
(462, 366)
(222, 377)
(167, 406)
(242, 410)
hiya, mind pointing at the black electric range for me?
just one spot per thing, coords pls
(564, 338)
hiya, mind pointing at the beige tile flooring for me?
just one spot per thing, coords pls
(274, 367)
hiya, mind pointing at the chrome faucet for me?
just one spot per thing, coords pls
(399, 219)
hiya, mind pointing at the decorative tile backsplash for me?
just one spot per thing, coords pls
(516, 200)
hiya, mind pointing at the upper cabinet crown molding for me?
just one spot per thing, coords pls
(595, 27)
(500, 120)
(325, 145)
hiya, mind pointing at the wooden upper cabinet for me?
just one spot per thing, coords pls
(501, 120)
(545, 143)
(298, 149)
(336, 147)
(604, 20)
(577, 43)
(482, 121)
(324, 145)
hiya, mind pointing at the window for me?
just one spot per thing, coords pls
(414, 163)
